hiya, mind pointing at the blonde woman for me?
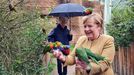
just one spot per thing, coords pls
(98, 43)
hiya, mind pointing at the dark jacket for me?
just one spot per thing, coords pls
(60, 34)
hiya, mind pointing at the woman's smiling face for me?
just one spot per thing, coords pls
(91, 29)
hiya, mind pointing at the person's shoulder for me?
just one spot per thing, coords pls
(82, 37)
(107, 37)
(81, 40)
(55, 28)
(52, 30)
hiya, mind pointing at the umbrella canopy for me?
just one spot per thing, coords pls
(68, 10)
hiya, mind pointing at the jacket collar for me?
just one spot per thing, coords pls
(59, 26)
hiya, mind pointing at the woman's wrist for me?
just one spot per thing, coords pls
(62, 58)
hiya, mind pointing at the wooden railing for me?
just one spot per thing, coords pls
(124, 61)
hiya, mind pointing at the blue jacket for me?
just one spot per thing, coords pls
(60, 34)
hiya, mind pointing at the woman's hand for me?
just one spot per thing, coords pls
(59, 55)
(82, 65)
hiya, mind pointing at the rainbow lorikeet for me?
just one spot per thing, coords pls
(56, 45)
(88, 11)
(84, 54)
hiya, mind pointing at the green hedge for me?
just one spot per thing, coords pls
(21, 40)
(121, 26)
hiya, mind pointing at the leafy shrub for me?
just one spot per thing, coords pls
(122, 24)
(21, 39)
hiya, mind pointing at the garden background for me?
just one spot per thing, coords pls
(24, 26)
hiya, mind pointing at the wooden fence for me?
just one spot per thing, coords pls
(124, 61)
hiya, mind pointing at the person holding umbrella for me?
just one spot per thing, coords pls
(61, 34)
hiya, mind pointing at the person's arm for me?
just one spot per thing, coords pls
(70, 36)
(51, 36)
(70, 59)
(108, 52)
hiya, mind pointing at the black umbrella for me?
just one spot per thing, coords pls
(68, 10)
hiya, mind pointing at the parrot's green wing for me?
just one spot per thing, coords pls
(82, 55)
(95, 56)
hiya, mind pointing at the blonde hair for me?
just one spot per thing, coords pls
(98, 19)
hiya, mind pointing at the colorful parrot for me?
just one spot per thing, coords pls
(84, 54)
(57, 45)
